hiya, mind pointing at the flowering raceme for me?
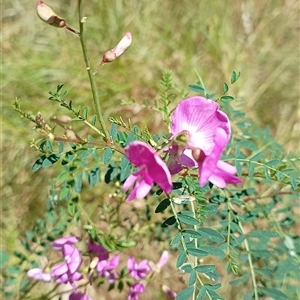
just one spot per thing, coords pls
(152, 169)
(207, 132)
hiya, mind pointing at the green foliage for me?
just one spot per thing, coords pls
(210, 224)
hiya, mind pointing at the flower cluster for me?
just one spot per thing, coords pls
(138, 271)
(67, 271)
(200, 133)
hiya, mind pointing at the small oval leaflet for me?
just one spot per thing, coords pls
(212, 234)
(205, 268)
(164, 204)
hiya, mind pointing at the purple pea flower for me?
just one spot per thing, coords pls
(79, 296)
(136, 288)
(152, 169)
(137, 271)
(198, 118)
(67, 271)
(207, 130)
(39, 274)
(105, 267)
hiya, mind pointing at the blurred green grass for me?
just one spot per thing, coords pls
(259, 39)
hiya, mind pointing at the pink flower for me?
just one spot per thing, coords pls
(67, 271)
(59, 243)
(136, 288)
(105, 267)
(39, 274)
(207, 132)
(137, 271)
(162, 261)
(98, 250)
(152, 170)
(79, 296)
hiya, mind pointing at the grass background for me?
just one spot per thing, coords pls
(258, 38)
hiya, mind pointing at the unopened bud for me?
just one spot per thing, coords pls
(94, 262)
(168, 292)
(47, 15)
(114, 53)
(72, 136)
(61, 120)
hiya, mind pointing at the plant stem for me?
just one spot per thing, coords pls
(250, 264)
(91, 76)
(196, 246)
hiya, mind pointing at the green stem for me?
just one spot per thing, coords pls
(91, 76)
(250, 265)
(196, 246)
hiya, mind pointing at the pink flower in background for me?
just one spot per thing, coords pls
(39, 274)
(59, 243)
(168, 292)
(152, 170)
(136, 288)
(79, 296)
(105, 267)
(162, 261)
(67, 271)
(207, 130)
(137, 271)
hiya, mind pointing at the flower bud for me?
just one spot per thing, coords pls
(123, 45)
(71, 135)
(47, 15)
(61, 120)
(94, 262)
(114, 53)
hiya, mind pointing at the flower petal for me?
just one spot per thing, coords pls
(59, 269)
(73, 257)
(200, 117)
(39, 274)
(153, 169)
(224, 174)
(58, 244)
(207, 164)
